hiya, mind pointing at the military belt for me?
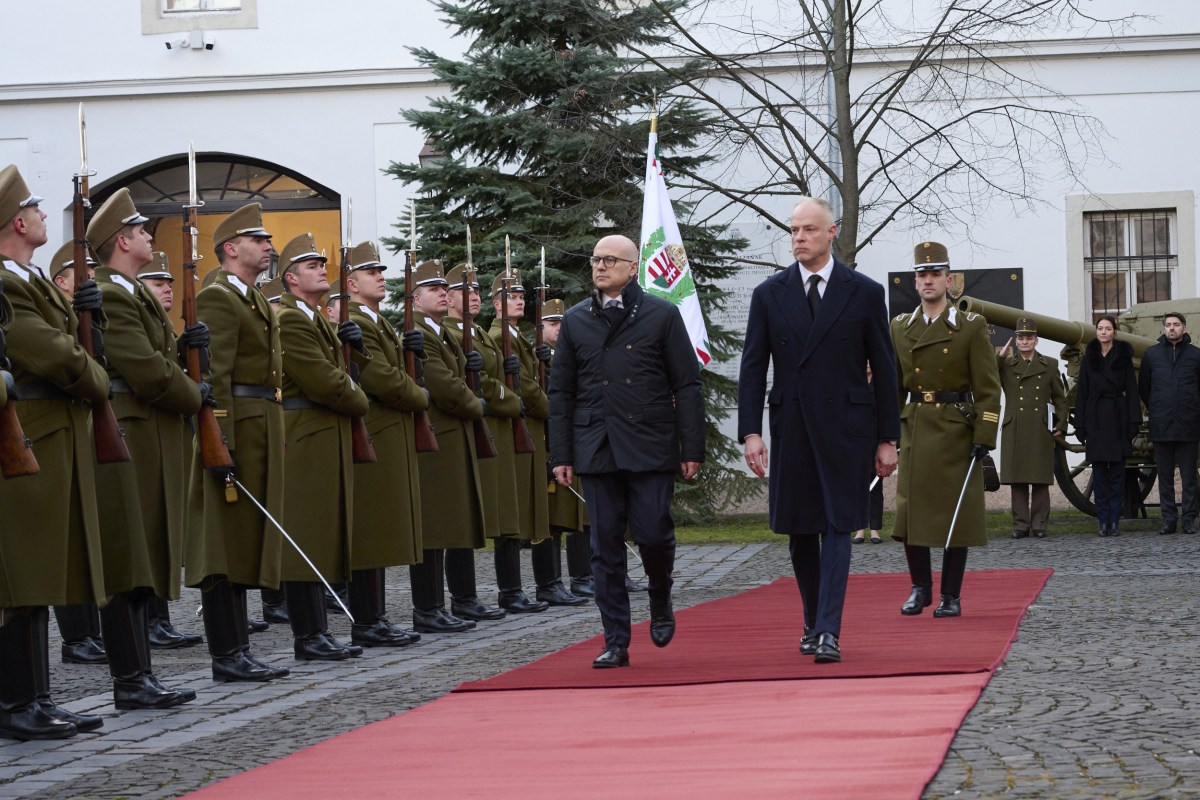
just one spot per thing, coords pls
(941, 397)
(119, 386)
(260, 392)
(40, 390)
(299, 403)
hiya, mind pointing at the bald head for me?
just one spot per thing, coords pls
(614, 263)
(813, 231)
(818, 207)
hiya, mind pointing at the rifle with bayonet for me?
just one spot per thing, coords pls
(485, 445)
(108, 436)
(362, 451)
(539, 300)
(16, 451)
(522, 438)
(214, 453)
(425, 439)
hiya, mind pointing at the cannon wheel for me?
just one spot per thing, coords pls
(1076, 481)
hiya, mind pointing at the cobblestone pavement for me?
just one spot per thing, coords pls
(1094, 700)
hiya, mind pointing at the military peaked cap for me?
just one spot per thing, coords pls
(246, 221)
(455, 277)
(513, 286)
(117, 212)
(1026, 325)
(159, 267)
(64, 258)
(14, 194)
(554, 309)
(429, 273)
(930, 255)
(365, 255)
(301, 248)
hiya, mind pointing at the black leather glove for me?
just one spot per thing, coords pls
(483, 403)
(522, 402)
(543, 353)
(978, 452)
(414, 342)
(207, 397)
(351, 334)
(87, 297)
(195, 336)
(512, 365)
(474, 361)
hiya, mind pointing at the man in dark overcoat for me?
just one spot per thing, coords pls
(626, 413)
(820, 324)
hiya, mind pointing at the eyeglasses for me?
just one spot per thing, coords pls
(609, 261)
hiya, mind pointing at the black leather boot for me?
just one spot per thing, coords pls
(124, 632)
(164, 635)
(371, 627)
(954, 567)
(920, 572)
(662, 621)
(79, 626)
(465, 604)
(508, 577)
(21, 716)
(41, 674)
(547, 574)
(241, 593)
(226, 631)
(274, 607)
(306, 609)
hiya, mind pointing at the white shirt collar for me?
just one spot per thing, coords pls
(436, 328)
(121, 281)
(236, 283)
(374, 317)
(825, 272)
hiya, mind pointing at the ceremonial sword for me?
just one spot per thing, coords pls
(958, 505)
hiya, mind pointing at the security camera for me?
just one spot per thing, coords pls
(182, 43)
(210, 41)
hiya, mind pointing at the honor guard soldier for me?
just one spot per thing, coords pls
(1035, 414)
(387, 494)
(230, 544)
(319, 398)
(156, 276)
(568, 513)
(79, 625)
(531, 501)
(54, 556)
(497, 475)
(950, 410)
(142, 518)
(452, 515)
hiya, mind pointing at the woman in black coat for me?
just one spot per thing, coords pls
(1108, 414)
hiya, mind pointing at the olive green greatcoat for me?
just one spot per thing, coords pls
(532, 500)
(318, 502)
(497, 475)
(1026, 445)
(53, 556)
(235, 539)
(565, 510)
(387, 494)
(143, 541)
(451, 491)
(951, 354)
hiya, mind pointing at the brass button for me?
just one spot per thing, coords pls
(605, 383)
(945, 349)
(630, 347)
(917, 370)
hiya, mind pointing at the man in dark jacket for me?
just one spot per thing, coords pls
(626, 412)
(1169, 383)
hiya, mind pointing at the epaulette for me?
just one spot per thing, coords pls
(971, 315)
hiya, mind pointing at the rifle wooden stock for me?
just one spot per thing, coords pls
(16, 452)
(425, 438)
(213, 451)
(363, 452)
(485, 444)
(109, 438)
(522, 438)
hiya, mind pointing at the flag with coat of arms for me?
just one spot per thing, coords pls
(663, 270)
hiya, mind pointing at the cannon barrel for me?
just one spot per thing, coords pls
(1066, 332)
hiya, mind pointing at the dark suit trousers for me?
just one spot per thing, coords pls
(822, 566)
(639, 502)
(1168, 455)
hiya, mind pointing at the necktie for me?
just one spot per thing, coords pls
(814, 296)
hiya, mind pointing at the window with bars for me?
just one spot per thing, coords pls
(1130, 257)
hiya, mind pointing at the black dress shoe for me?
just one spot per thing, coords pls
(517, 602)
(88, 650)
(413, 636)
(1168, 527)
(1114, 529)
(662, 622)
(275, 612)
(240, 667)
(614, 655)
(808, 642)
(1189, 530)
(378, 634)
(1104, 530)
(353, 649)
(583, 587)
(164, 636)
(557, 595)
(1020, 534)
(435, 622)
(1039, 534)
(828, 651)
(319, 647)
(257, 626)
(186, 695)
(276, 672)
(82, 722)
(142, 692)
(949, 607)
(31, 722)
(921, 597)
(470, 608)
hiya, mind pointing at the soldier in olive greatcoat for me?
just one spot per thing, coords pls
(229, 544)
(949, 412)
(319, 398)
(452, 515)
(141, 525)
(387, 494)
(1035, 413)
(54, 556)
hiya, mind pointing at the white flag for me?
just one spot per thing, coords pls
(663, 270)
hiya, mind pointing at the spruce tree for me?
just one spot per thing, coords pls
(543, 133)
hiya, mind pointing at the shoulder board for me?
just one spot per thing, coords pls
(899, 317)
(971, 315)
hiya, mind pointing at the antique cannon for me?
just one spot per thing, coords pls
(1141, 326)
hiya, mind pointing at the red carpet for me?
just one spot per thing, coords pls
(754, 636)
(844, 739)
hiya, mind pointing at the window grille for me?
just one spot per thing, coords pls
(1130, 257)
